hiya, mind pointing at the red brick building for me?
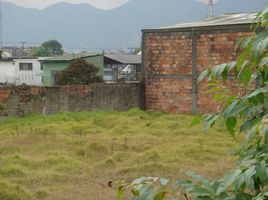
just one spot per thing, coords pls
(174, 56)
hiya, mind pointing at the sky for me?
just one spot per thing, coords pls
(102, 4)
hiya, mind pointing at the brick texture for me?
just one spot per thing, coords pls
(168, 61)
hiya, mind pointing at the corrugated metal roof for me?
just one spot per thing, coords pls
(125, 58)
(70, 57)
(31, 58)
(222, 20)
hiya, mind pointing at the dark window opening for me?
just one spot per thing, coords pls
(26, 66)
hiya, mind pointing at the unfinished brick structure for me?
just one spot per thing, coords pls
(174, 56)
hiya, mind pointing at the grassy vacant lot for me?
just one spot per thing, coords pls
(73, 155)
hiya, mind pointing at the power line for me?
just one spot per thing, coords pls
(24, 45)
(19, 44)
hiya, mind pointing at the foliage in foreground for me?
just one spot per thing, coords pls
(250, 179)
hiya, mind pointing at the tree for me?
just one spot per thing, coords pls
(41, 51)
(53, 47)
(79, 72)
(49, 48)
(250, 178)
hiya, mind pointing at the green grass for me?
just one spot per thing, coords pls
(74, 155)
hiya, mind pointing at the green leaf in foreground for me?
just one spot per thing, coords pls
(230, 124)
(196, 120)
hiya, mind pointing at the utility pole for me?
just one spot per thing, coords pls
(210, 8)
(1, 31)
(22, 48)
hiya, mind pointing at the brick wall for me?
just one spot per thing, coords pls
(172, 61)
(214, 49)
(48, 100)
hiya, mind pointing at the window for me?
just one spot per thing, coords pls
(26, 66)
(108, 72)
(41, 67)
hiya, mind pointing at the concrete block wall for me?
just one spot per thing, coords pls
(48, 100)
(173, 60)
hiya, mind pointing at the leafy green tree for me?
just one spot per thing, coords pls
(53, 47)
(49, 48)
(41, 51)
(79, 72)
(250, 178)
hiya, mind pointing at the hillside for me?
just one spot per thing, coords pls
(84, 26)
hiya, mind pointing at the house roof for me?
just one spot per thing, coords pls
(125, 58)
(31, 58)
(70, 57)
(222, 20)
(6, 60)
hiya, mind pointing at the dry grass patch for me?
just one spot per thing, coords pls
(74, 155)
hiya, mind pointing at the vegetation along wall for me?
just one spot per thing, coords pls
(173, 60)
(48, 100)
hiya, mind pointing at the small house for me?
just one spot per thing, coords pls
(28, 71)
(123, 67)
(51, 66)
(7, 71)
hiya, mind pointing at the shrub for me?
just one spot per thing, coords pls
(79, 72)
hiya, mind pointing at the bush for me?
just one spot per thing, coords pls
(79, 72)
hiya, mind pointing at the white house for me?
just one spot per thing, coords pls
(7, 71)
(28, 71)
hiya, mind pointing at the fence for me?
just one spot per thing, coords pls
(48, 100)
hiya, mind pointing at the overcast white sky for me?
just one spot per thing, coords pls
(103, 4)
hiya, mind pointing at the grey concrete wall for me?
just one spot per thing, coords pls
(48, 100)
